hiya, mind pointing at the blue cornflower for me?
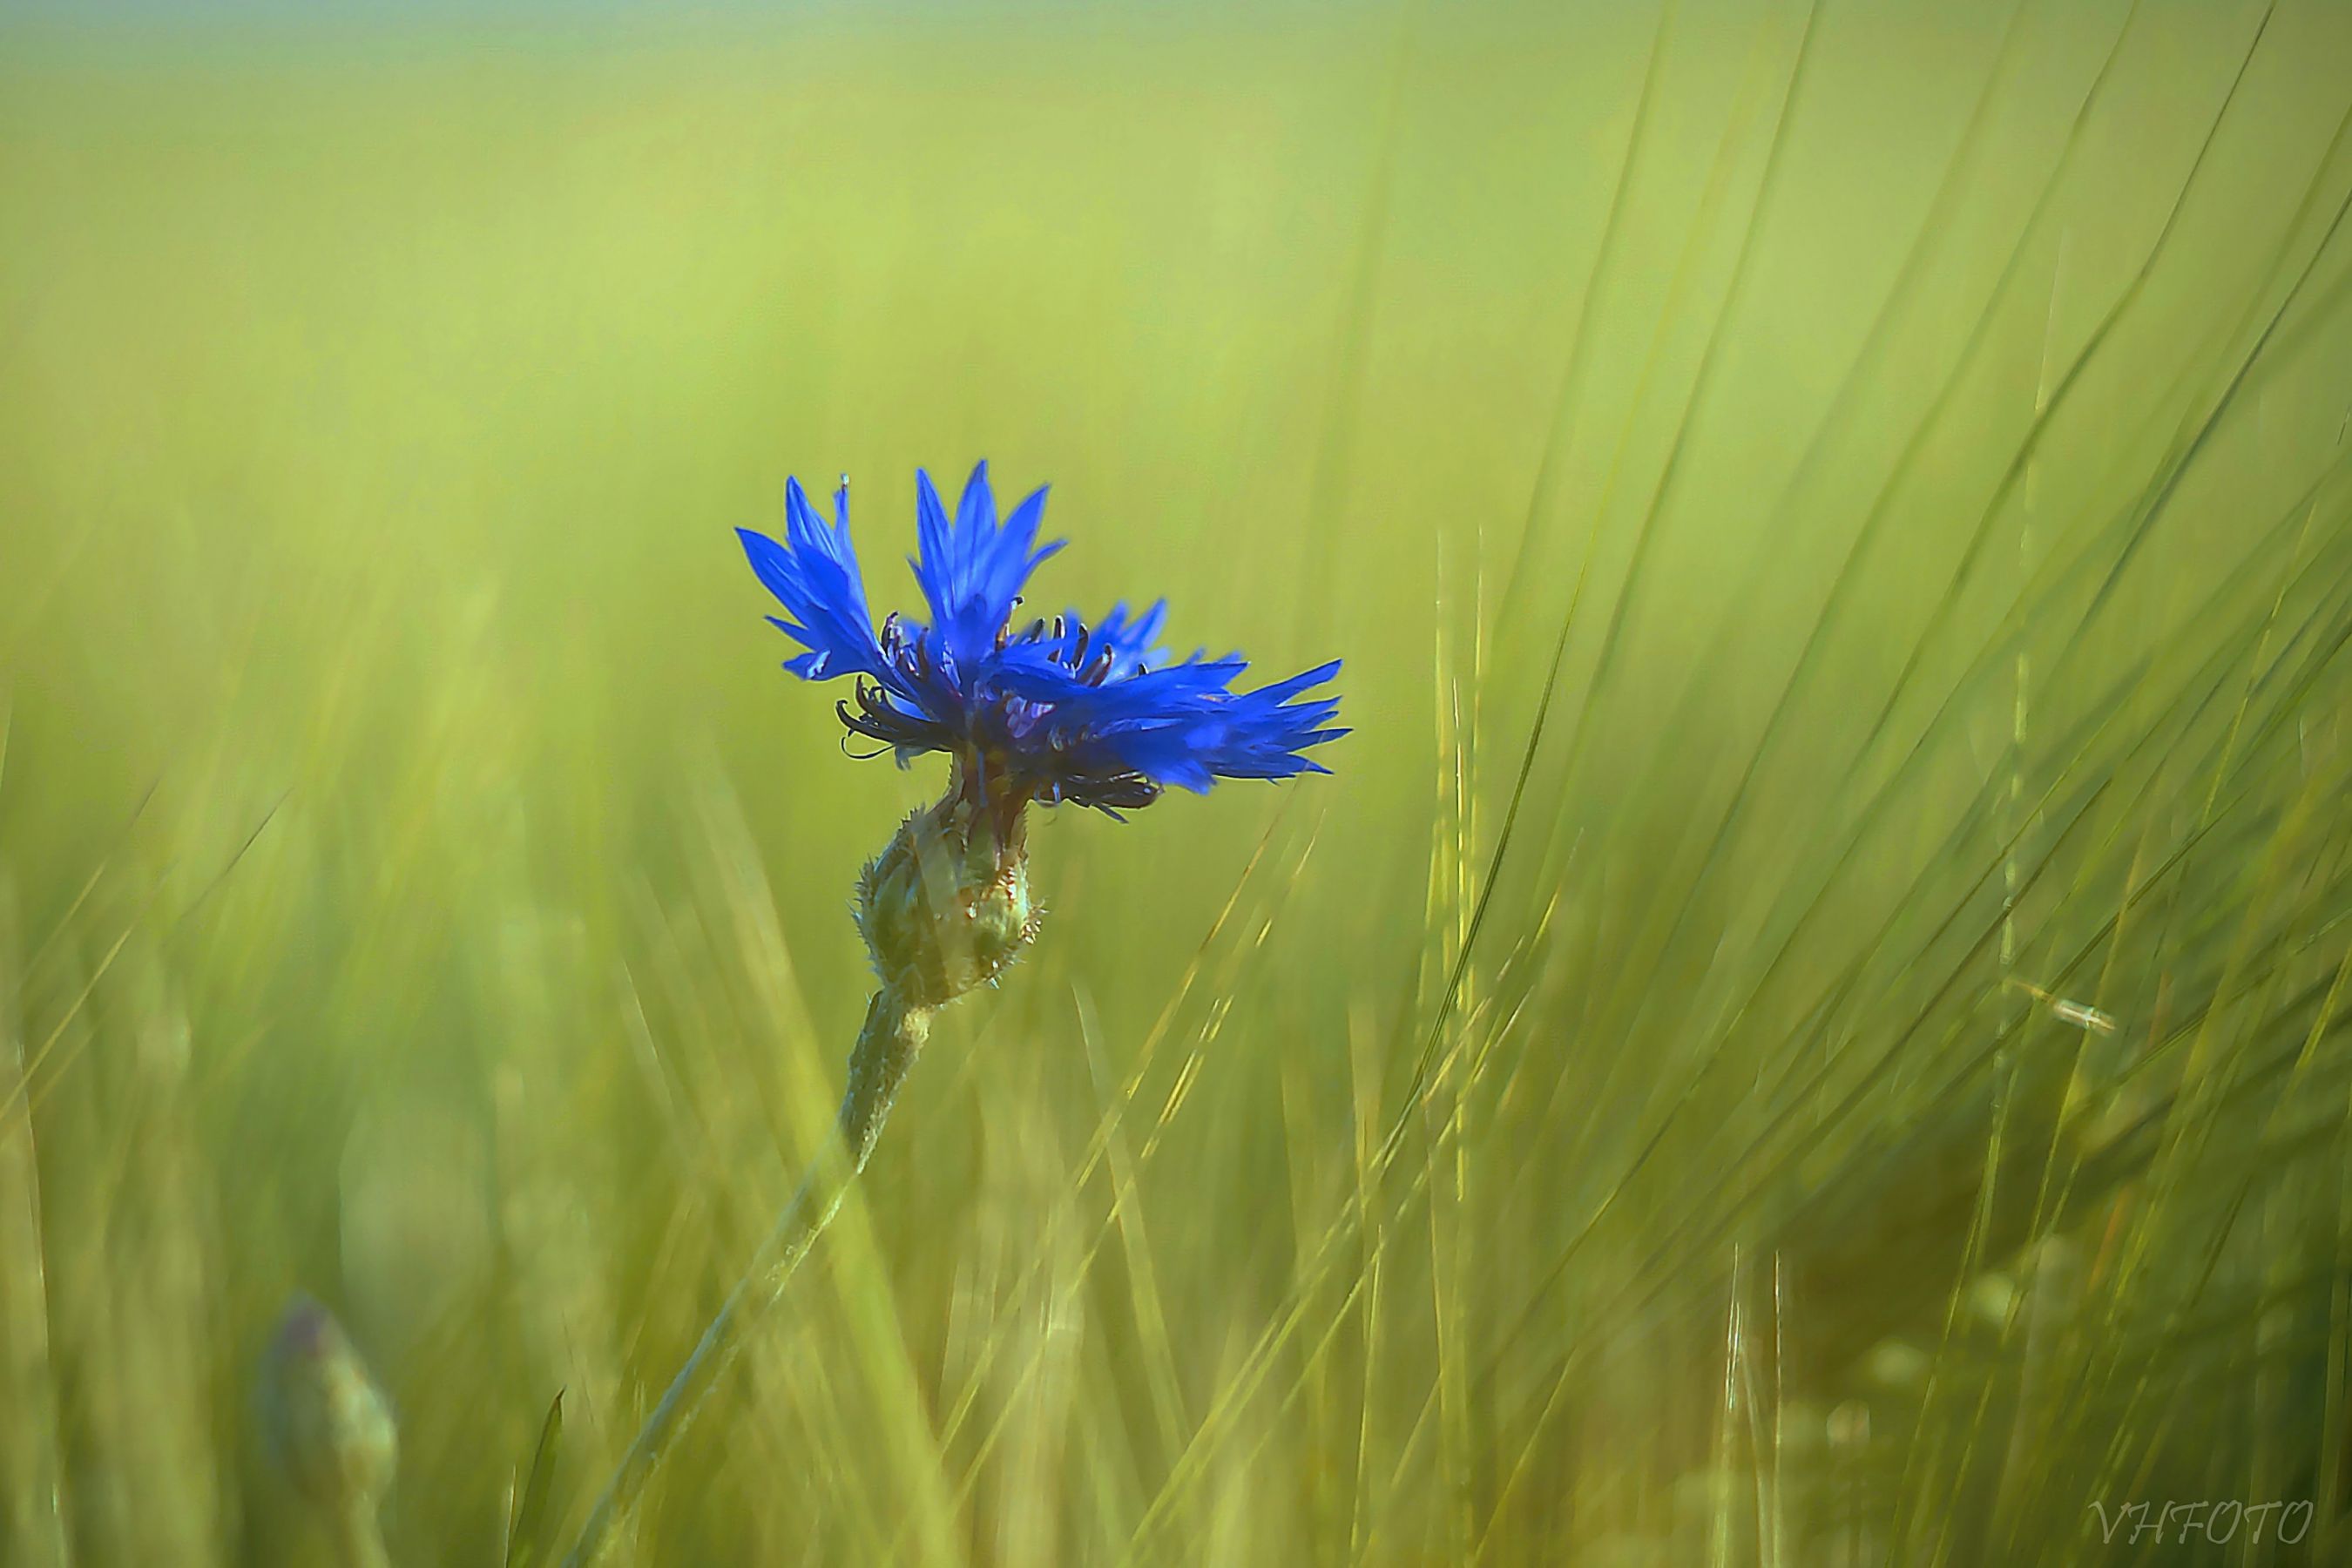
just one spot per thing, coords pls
(1094, 715)
(1058, 710)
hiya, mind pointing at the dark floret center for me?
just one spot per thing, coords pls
(1009, 748)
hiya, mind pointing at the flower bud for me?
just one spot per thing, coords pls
(946, 907)
(328, 1426)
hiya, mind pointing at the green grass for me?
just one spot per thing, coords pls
(1840, 524)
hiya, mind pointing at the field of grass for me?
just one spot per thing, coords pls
(1808, 1027)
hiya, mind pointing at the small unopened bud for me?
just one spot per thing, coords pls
(328, 1426)
(946, 907)
(1849, 1425)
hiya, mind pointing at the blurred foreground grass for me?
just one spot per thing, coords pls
(1809, 1026)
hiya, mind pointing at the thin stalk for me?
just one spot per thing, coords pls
(887, 1045)
(358, 1541)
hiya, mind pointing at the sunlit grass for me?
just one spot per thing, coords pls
(1808, 1027)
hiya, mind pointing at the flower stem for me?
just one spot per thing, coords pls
(892, 1037)
(359, 1542)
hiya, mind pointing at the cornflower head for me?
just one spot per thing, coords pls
(1054, 711)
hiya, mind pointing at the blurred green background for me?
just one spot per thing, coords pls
(1807, 1027)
